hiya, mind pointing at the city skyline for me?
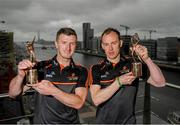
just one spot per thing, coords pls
(26, 18)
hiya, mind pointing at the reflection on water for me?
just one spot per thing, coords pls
(44, 54)
(86, 60)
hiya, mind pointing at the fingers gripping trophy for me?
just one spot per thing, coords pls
(137, 60)
(32, 75)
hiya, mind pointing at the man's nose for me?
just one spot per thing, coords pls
(69, 47)
(110, 47)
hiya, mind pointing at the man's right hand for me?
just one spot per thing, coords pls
(23, 66)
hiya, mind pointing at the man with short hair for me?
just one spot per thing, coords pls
(113, 86)
(62, 89)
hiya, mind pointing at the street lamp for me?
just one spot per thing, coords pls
(150, 32)
(2, 21)
(126, 28)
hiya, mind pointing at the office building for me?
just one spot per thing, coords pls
(88, 35)
(6, 60)
(167, 49)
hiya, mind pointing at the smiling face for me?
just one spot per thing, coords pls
(111, 45)
(65, 45)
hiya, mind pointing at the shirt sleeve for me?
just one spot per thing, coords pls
(83, 79)
(95, 75)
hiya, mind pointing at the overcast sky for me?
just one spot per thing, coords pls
(26, 17)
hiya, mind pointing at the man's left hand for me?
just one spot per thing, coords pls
(141, 51)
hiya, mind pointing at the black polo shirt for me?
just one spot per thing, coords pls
(48, 110)
(120, 107)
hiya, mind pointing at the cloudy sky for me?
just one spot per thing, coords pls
(26, 17)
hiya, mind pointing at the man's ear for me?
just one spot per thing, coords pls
(102, 46)
(121, 43)
(55, 42)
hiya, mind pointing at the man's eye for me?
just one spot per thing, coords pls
(114, 43)
(73, 44)
(105, 44)
(63, 42)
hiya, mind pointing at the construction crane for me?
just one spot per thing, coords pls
(126, 28)
(150, 32)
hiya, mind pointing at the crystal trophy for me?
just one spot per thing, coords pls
(32, 75)
(136, 66)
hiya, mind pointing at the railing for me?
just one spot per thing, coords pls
(173, 86)
(147, 102)
(4, 95)
(20, 111)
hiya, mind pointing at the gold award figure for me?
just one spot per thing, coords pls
(137, 64)
(32, 76)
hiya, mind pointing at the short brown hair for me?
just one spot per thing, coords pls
(66, 31)
(109, 30)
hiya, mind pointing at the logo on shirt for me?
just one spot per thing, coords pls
(73, 77)
(55, 63)
(105, 75)
(50, 75)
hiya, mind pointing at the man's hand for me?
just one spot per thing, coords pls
(127, 78)
(44, 87)
(141, 51)
(23, 66)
